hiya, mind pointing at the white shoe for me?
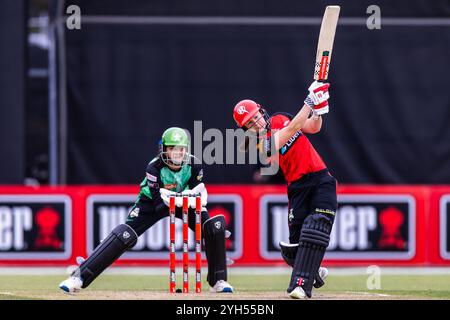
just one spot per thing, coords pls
(298, 293)
(222, 286)
(71, 285)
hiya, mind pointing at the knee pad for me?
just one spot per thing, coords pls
(120, 239)
(214, 226)
(214, 237)
(316, 230)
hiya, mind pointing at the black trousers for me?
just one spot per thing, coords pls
(313, 193)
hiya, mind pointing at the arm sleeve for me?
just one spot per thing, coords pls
(154, 182)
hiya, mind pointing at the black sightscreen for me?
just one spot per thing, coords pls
(390, 103)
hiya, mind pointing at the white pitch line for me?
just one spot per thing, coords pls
(368, 293)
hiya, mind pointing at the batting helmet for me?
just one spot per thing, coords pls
(244, 110)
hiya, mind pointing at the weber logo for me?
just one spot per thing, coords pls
(15, 222)
(366, 227)
(35, 227)
(105, 212)
(353, 227)
(444, 227)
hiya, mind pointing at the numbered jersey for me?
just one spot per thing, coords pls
(297, 157)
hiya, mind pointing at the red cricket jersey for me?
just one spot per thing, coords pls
(297, 157)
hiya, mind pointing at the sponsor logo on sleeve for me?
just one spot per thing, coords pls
(151, 177)
(290, 143)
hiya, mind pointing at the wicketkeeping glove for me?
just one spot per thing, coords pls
(200, 188)
(317, 98)
(165, 196)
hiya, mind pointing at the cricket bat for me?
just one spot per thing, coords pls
(325, 44)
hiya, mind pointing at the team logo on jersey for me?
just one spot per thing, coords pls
(290, 143)
(290, 215)
(125, 235)
(151, 177)
(218, 224)
(200, 175)
(241, 110)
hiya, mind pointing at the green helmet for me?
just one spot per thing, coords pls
(174, 137)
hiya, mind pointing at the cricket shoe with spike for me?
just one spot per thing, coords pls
(71, 284)
(222, 286)
(298, 293)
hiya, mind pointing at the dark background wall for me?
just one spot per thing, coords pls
(12, 91)
(126, 83)
(353, 8)
(390, 104)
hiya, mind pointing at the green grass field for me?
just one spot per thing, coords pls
(246, 287)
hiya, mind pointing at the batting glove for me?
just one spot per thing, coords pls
(317, 98)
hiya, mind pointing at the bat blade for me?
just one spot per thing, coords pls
(325, 43)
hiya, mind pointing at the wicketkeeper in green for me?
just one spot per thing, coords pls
(172, 171)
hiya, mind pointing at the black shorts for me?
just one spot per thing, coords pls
(146, 216)
(313, 193)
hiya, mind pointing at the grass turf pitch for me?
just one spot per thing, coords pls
(253, 287)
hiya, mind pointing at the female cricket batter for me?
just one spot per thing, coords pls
(311, 188)
(173, 170)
